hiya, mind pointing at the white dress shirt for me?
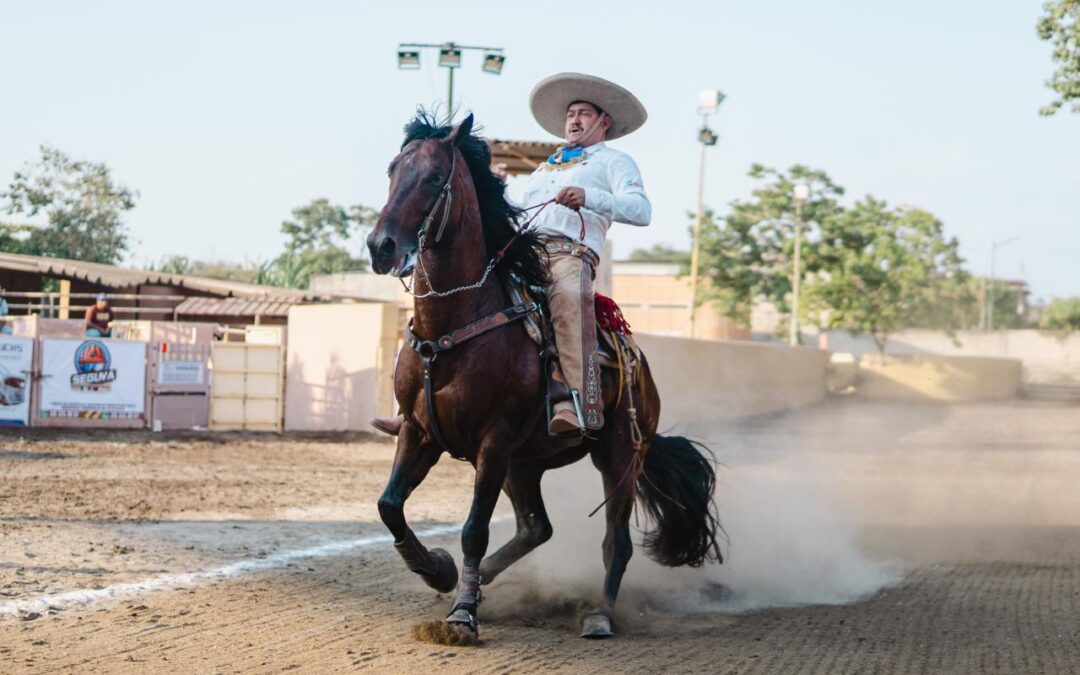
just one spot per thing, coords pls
(613, 192)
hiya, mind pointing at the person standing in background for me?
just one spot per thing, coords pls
(99, 318)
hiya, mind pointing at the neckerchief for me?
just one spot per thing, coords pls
(564, 157)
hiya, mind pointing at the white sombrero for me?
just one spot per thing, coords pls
(553, 95)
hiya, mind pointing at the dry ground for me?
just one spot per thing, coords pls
(950, 536)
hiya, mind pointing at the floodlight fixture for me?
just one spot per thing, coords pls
(707, 136)
(493, 62)
(449, 56)
(408, 59)
(709, 100)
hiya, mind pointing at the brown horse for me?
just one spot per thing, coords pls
(448, 219)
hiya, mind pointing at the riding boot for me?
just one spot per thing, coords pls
(573, 316)
(390, 426)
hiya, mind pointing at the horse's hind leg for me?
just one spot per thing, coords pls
(613, 458)
(411, 464)
(522, 485)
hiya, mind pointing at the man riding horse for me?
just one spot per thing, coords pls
(469, 379)
(587, 177)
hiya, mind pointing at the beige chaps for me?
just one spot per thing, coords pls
(573, 314)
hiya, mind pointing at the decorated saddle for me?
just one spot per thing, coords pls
(614, 340)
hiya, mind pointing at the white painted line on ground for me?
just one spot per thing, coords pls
(85, 596)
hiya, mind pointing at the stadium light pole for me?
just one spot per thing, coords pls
(802, 194)
(408, 57)
(990, 285)
(709, 102)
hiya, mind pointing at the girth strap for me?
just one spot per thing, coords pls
(430, 349)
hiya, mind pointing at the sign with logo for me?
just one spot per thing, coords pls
(101, 379)
(16, 360)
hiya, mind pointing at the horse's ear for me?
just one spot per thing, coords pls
(461, 132)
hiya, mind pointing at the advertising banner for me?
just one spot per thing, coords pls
(101, 379)
(16, 361)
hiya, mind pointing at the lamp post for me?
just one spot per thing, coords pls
(709, 102)
(449, 58)
(990, 285)
(802, 194)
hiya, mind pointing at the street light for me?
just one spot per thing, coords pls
(408, 59)
(990, 286)
(709, 101)
(493, 63)
(449, 58)
(802, 194)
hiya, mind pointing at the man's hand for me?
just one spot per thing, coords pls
(571, 197)
(500, 171)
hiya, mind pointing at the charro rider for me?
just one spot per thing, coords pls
(584, 176)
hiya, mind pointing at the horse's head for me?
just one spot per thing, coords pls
(418, 177)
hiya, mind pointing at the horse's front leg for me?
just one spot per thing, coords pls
(491, 463)
(411, 465)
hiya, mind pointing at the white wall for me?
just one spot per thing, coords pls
(1046, 357)
(340, 365)
(702, 380)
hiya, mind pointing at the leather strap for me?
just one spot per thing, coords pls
(429, 349)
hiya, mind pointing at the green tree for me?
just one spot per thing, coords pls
(1060, 25)
(883, 269)
(1062, 314)
(749, 256)
(317, 243)
(175, 264)
(83, 207)
(660, 253)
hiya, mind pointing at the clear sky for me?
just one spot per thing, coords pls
(226, 115)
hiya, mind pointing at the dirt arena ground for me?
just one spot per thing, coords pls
(863, 538)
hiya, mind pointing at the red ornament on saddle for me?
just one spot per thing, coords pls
(609, 317)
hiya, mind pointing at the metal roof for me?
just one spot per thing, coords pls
(201, 306)
(520, 156)
(120, 277)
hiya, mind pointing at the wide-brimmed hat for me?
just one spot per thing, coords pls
(553, 95)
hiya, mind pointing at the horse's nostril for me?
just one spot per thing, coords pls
(386, 249)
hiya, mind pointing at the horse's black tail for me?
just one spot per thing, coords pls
(676, 491)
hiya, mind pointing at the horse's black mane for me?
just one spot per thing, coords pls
(499, 217)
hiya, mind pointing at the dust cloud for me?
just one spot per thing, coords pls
(832, 504)
(790, 540)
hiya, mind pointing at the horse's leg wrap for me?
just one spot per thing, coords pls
(436, 567)
(468, 599)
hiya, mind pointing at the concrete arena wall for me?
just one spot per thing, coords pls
(339, 372)
(701, 381)
(938, 378)
(1048, 358)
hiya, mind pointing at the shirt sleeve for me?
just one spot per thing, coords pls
(627, 201)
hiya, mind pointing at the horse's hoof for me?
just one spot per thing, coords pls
(596, 627)
(461, 617)
(444, 578)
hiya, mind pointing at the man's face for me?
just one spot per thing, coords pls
(102, 304)
(581, 121)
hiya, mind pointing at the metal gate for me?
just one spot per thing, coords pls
(247, 386)
(180, 386)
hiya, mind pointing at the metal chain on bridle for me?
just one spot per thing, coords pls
(445, 199)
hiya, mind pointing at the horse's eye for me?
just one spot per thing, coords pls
(435, 179)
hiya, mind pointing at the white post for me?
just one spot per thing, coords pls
(695, 254)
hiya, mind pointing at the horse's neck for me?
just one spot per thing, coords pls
(458, 261)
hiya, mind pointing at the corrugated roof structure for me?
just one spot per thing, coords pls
(146, 294)
(120, 277)
(520, 157)
(195, 307)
